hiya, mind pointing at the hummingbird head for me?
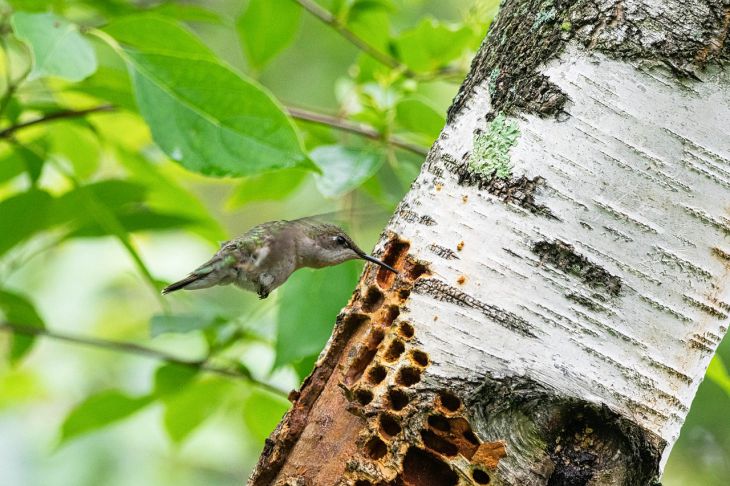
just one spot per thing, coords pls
(333, 246)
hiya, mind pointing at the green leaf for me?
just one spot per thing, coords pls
(262, 411)
(78, 145)
(432, 44)
(11, 165)
(36, 5)
(111, 193)
(18, 160)
(372, 22)
(111, 80)
(308, 306)
(419, 117)
(181, 323)
(173, 378)
(19, 386)
(717, 372)
(344, 169)
(187, 13)
(304, 366)
(23, 215)
(58, 47)
(19, 310)
(271, 186)
(153, 34)
(135, 221)
(203, 114)
(88, 207)
(100, 410)
(166, 195)
(266, 28)
(185, 411)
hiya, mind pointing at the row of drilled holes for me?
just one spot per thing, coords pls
(417, 461)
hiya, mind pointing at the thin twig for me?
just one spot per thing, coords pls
(136, 349)
(326, 16)
(58, 115)
(352, 127)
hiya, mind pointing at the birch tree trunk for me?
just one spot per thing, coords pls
(564, 262)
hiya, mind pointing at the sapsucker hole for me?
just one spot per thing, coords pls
(394, 351)
(415, 269)
(406, 329)
(375, 337)
(408, 376)
(373, 299)
(389, 425)
(375, 448)
(376, 374)
(365, 355)
(439, 422)
(419, 357)
(363, 482)
(395, 250)
(480, 476)
(363, 396)
(449, 401)
(390, 315)
(398, 399)
(438, 444)
(469, 435)
(421, 468)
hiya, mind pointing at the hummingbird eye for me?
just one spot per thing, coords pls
(340, 240)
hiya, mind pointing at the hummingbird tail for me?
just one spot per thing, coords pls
(181, 284)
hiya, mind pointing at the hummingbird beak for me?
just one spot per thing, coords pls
(372, 259)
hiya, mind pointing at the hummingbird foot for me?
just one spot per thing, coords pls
(263, 292)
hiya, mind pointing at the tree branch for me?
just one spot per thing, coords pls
(136, 349)
(326, 16)
(356, 128)
(59, 115)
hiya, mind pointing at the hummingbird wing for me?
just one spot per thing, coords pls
(219, 270)
(239, 260)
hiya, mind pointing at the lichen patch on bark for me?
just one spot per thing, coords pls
(518, 190)
(490, 156)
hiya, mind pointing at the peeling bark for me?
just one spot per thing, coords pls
(563, 265)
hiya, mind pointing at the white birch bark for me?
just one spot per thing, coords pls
(573, 304)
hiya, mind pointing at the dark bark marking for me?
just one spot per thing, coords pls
(564, 257)
(413, 217)
(445, 253)
(520, 191)
(444, 292)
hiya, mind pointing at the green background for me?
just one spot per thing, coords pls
(99, 212)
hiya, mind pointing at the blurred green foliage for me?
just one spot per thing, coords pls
(134, 137)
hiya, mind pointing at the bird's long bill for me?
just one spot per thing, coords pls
(372, 259)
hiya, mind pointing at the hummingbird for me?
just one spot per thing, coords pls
(266, 255)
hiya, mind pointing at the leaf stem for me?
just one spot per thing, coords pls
(328, 18)
(58, 115)
(353, 127)
(135, 349)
